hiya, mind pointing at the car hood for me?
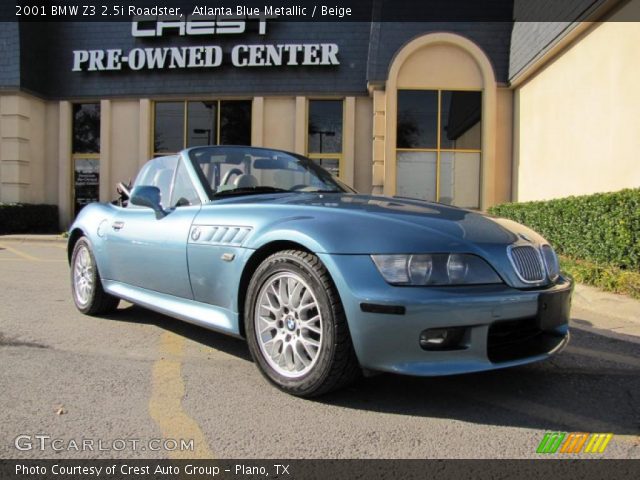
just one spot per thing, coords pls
(352, 223)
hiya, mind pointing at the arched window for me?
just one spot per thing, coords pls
(440, 122)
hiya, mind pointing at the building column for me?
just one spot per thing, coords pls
(379, 129)
(257, 122)
(347, 169)
(64, 164)
(515, 146)
(300, 140)
(144, 139)
(106, 189)
(489, 128)
(15, 154)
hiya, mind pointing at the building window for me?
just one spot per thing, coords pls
(324, 139)
(169, 127)
(85, 154)
(438, 146)
(178, 125)
(235, 123)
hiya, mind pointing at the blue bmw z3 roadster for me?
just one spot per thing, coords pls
(324, 283)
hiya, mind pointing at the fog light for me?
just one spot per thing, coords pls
(442, 338)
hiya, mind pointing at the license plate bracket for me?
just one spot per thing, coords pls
(554, 309)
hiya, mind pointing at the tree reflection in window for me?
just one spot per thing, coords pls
(86, 128)
(417, 119)
(325, 126)
(235, 122)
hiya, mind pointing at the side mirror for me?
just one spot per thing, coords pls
(148, 196)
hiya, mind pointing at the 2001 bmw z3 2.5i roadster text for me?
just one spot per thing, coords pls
(322, 282)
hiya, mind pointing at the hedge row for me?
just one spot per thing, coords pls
(605, 277)
(27, 218)
(603, 228)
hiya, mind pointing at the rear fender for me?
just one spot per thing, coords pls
(92, 222)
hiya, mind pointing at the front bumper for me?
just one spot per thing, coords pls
(502, 324)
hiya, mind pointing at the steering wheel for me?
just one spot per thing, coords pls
(227, 176)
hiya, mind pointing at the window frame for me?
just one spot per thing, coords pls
(438, 150)
(185, 120)
(182, 162)
(320, 156)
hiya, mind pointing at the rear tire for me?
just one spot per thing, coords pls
(296, 326)
(86, 288)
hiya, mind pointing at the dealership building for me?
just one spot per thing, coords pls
(465, 113)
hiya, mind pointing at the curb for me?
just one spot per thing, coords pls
(33, 239)
(605, 304)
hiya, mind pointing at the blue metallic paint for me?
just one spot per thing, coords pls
(202, 314)
(390, 342)
(156, 263)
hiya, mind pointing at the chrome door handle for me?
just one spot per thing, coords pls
(117, 225)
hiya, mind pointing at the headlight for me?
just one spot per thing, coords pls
(551, 262)
(436, 269)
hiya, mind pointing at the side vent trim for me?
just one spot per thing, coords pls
(228, 235)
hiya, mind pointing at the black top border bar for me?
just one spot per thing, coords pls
(314, 10)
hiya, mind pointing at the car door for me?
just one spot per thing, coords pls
(148, 251)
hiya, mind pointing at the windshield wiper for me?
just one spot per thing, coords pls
(324, 191)
(250, 191)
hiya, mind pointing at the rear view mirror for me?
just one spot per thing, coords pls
(271, 164)
(148, 196)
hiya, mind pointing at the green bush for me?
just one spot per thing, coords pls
(27, 218)
(603, 228)
(611, 279)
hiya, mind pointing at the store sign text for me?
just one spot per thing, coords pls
(206, 56)
(203, 56)
(153, 27)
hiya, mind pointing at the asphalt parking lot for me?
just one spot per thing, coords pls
(136, 376)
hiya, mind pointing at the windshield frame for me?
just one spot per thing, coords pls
(305, 162)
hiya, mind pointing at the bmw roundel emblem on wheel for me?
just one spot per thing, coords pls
(322, 282)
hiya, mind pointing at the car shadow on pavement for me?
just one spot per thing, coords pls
(592, 386)
(219, 341)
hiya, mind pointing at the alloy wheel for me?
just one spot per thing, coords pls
(288, 324)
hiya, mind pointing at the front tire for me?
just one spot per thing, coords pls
(296, 327)
(86, 287)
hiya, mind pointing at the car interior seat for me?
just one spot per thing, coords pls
(246, 181)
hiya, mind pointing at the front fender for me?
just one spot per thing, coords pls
(289, 235)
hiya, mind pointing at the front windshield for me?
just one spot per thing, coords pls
(244, 170)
